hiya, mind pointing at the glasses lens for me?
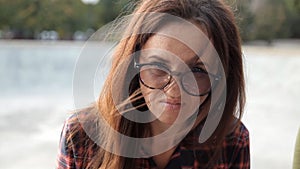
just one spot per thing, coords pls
(196, 83)
(157, 77)
(154, 76)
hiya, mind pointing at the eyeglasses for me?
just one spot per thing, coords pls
(156, 75)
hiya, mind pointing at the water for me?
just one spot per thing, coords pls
(35, 67)
(36, 97)
(36, 86)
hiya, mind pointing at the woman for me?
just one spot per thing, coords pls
(173, 98)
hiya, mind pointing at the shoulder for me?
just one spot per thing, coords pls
(83, 115)
(239, 135)
(76, 147)
(82, 125)
(237, 140)
(79, 131)
(236, 147)
(81, 121)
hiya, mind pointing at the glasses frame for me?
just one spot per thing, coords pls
(171, 75)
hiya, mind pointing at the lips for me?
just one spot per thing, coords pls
(172, 104)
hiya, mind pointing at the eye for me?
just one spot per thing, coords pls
(157, 72)
(154, 70)
(158, 69)
(199, 70)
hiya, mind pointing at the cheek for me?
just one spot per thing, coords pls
(191, 105)
(152, 98)
(150, 95)
(146, 92)
(195, 102)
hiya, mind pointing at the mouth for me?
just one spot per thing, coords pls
(172, 104)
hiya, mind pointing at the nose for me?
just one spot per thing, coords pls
(173, 89)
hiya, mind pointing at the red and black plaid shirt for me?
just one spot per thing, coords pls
(77, 152)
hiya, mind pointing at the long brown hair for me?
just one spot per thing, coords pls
(218, 20)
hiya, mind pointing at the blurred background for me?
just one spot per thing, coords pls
(41, 40)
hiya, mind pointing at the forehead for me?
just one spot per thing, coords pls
(182, 40)
(165, 46)
(190, 34)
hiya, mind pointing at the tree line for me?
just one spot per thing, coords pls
(26, 19)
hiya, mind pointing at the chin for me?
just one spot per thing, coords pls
(169, 118)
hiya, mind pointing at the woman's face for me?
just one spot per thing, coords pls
(169, 54)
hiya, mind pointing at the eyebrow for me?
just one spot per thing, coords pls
(196, 58)
(158, 58)
(200, 63)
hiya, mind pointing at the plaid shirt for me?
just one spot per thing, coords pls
(76, 153)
